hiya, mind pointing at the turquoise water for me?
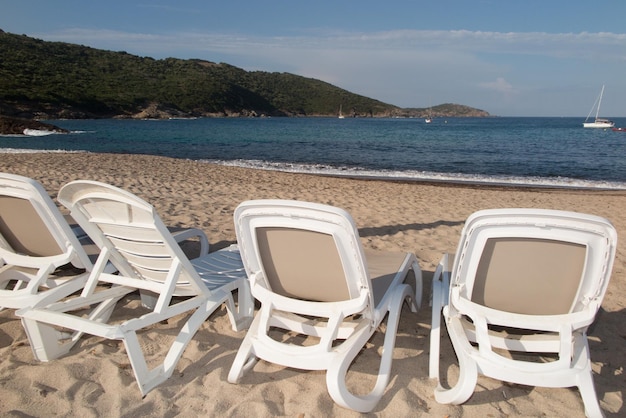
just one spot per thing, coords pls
(524, 151)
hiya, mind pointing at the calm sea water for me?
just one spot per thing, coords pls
(520, 151)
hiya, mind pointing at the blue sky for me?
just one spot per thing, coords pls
(508, 57)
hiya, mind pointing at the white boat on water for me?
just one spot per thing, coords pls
(598, 122)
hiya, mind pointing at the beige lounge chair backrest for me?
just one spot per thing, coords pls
(24, 230)
(32, 225)
(302, 264)
(534, 261)
(303, 250)
(529, 276)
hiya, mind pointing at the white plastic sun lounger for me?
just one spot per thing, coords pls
(308, 269)
(132, 237)
(523, 281)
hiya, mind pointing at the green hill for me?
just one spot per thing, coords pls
(60, 80)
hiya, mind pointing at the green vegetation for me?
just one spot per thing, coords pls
(55, 79)
(448, 110)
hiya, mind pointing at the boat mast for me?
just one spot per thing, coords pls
(599, 102)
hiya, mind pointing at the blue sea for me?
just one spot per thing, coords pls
(550, 152)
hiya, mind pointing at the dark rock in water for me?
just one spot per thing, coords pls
(17, 126)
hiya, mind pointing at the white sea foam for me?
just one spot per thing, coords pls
(35, 151)
(426, 176)
(39, 132)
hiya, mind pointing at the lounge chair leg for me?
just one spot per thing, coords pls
(240, 315)
(590, 400)
(245, 305)
(139, 365)
(149, 379)
(45, 340)
(104, 310)
(584, 378)
(419, 287)
(435, 332)
(336, 374)
(148, 299)
(439, 295)
(245, 358)
(468, 370)
(588, 393)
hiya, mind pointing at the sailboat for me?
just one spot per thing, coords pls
(598, 122)
(341, 116)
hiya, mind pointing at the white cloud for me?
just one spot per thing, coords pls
(537, 43)
(500, 85)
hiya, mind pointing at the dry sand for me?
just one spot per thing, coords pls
(95, 379)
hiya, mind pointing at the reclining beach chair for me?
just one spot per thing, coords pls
(36, 243)
(524, 287)
(44, 257)
(132, 237)
(308, 269)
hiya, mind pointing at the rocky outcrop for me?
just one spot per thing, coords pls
(446, 110)
(159, 111)
(18, 126)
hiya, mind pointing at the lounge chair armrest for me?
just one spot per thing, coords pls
(183, 234)
(303, 307)
(34, 262)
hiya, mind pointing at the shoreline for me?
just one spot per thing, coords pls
(468, 183)
(486, 182)
(420, 217)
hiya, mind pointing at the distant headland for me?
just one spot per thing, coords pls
(56, 80)
(19, 126)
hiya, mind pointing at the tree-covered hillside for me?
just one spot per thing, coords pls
(56, 79)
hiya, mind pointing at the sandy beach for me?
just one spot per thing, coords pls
(426, 219)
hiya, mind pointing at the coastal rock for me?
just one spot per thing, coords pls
(159, 111)
(16, 126)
